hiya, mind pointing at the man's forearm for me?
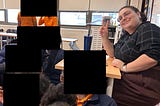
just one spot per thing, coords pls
(108, 46)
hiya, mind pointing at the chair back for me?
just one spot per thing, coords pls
(11, 31)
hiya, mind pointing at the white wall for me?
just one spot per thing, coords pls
(96, 5)
(74, 33)
(136, 3)
(74, 5)
(1, 4)
(107, 5)
(10, 4)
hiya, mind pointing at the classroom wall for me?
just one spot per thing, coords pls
(95, 5)
(74, 33)
(1, 4)
(107, 5)
(79, 5)
(136, 3)
(10, 4)
(14, 5)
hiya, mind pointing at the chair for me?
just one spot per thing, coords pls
(5, 39)
(73, 46)
(11, 31)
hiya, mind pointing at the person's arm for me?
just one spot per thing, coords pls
(41, 21)
(142, 63)
(108, 46)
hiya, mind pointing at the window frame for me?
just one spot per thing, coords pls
(72, 25)
(3, 22)
(103, 12)
(7, 17)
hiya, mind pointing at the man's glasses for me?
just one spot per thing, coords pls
(124, 15)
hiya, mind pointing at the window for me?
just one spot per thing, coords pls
(156, 19)
(73, 18)
(2, 15)
(96, 18)
(12, 15)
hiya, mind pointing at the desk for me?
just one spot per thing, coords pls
(72, 43)
(111, 72)
(8, 35)
(60, 65)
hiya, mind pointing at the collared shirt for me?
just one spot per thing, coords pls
(26, 20)
(80, 102)
(49, 21)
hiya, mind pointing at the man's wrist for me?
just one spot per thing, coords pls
(124, 68)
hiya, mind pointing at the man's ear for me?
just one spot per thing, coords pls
(139, 14)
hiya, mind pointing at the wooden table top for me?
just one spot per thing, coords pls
(60, 65)
(111, 71)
